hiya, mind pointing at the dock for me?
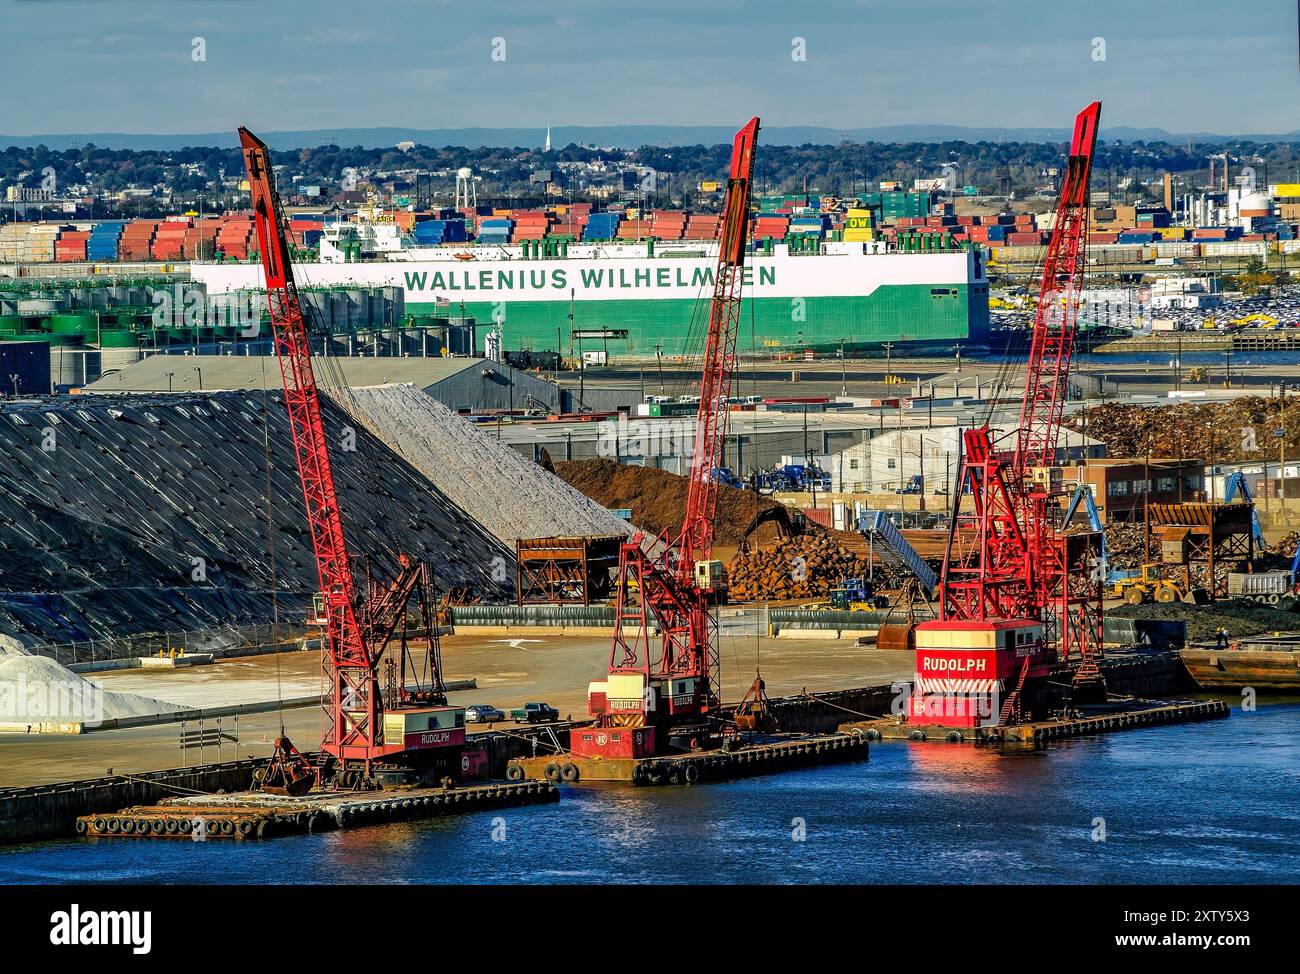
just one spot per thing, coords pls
(255, 815)
(765, 757)
(1115, 718)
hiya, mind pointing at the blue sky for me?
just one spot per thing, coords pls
(126, 65)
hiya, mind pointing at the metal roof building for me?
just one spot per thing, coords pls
(466, 385)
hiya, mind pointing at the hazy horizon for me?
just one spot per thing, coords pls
(153, 67)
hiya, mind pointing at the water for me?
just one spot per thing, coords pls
(1098, 361)
(1204, 803)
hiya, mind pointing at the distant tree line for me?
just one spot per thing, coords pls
(847, 169)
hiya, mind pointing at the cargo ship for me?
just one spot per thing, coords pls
(641, 299)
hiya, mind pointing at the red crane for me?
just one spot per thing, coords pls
(1019, 579)
(669, 584)
(357, 631)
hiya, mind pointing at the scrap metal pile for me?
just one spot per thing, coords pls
(1124, 545)
(1240, 430)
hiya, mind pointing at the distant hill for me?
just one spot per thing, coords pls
(618, 136)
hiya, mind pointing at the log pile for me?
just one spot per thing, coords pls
(810, 566)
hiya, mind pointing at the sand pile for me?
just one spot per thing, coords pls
(504, 491)
(36, 689)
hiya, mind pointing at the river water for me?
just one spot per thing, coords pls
(1203, 803)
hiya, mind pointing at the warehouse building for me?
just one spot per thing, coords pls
(465, 385)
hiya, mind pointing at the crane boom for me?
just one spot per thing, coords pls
(352, 706)
(696, 540)
(1048, 369)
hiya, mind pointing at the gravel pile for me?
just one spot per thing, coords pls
(506, 493)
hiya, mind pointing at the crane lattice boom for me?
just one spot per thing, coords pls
(696, 540)
(352, 705)
(661, 597)
(1048, 370)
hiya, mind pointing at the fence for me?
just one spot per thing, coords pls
(840, 618)
(231, 641)
(598, 616)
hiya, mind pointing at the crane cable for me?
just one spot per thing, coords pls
(270, 547)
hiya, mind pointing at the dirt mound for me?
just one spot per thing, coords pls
(657, 498)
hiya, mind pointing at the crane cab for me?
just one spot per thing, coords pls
(419, 728)
(711, 578)
(965, 669)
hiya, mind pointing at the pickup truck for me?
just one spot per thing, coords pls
(535, 713)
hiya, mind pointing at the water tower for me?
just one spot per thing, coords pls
(466, 192)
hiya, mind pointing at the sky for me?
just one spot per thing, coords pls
(133, 65)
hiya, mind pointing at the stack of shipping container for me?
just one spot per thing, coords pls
(235, 238)
(169, 239)
(137, 236)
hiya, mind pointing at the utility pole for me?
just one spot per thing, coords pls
(920, 454)
(844, 373)
(1146, 507)
(659, 357)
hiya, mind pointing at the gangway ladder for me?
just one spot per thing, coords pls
(894, 549)
(1011, 709)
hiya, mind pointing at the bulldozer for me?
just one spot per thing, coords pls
(1146, 585)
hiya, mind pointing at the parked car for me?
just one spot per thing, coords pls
(483, 713)
(535, 713)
